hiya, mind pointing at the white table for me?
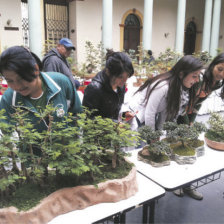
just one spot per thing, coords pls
(175, 176)
(148, 192)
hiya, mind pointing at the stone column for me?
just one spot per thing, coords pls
(179, 42)
(147, 24)
(35, 29)
(207, 26)
(215, 28)
(107, 24)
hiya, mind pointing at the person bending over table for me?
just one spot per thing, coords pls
(31, 90)
(166, 96)
(213, 79)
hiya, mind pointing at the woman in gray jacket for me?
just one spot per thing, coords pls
(166, 96)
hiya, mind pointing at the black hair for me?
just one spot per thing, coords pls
(175, 76)
(208, 76)
(118, 63)
(21, 61)
(149, 52)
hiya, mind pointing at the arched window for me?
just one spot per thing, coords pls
(131, 32)
(190, 38)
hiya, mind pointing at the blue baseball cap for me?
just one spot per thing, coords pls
(67, 43)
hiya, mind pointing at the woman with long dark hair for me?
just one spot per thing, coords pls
(165, 97)
(212, 80)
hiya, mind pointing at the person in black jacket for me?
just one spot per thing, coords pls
(106, 91)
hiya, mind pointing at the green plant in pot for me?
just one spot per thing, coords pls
(196, 143)
(52, 166)
(214, 136)
(156, 152)
(169, 127)
(183, 153)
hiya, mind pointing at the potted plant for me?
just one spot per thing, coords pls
(155, 152)
(214, 136)
(183, 153)
(196, 142)
(72, 165)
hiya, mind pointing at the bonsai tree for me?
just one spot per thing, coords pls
(158, 151)
(71, 152)
(169, 127)
(215, 130)
(199, 127)
(182, 135)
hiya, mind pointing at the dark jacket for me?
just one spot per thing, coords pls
(100, 95)
(54, 62)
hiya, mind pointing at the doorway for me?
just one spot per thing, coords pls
(131, 33)
(190, 38)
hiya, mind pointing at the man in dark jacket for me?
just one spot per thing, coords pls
(55, 59)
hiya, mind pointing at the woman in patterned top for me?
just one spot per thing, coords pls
(213, 79)
(164, 97)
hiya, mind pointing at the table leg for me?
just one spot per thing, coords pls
(152, 212)
(145, 213)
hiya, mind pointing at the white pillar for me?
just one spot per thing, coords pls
(215, 28)
(147, 24)
(35, 29)
(207, 26)
(107, 24)
(179, 43)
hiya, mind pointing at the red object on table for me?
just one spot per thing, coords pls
(86, 82)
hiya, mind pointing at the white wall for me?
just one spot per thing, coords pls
(88, 26)
(120, 7)
(10, 10)
(72, 26)
(164, 21)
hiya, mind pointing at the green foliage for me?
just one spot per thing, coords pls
(184, 134)
(216, 127)
(204, 56)
(166, 61)
(160, 148)
(73, 146)
(95, 60)
(155, 146)
(148, 134)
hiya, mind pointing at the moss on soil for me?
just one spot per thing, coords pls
(28, 195)
(196, 143)
(182, 151)
(156, 158)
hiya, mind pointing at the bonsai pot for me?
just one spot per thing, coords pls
(75, 198)
(198, 145)
(200, 151)
(145, 156)
(184, 159)
(214, 145)
(181, 158)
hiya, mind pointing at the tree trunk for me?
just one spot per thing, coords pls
(114, 160)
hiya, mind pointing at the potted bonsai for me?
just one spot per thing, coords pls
(214, 136)
(196, 142)
(182, 152)
(156, 152)
(72, 164)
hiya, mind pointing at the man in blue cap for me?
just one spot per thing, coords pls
(55, 59)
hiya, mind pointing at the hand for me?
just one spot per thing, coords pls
(129, 115)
